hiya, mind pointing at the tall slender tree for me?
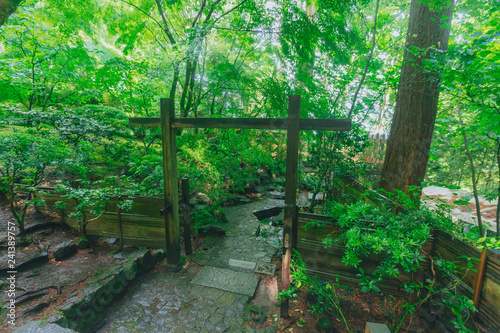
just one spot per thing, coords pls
(418, 93)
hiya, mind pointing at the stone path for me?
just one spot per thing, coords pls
(169, 302)
(469, 217)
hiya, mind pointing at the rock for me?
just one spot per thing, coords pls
(319, 196)
(40, 326)
(260, 189)
(202, 198)
(277, 181)
(159, 255)
(83, 243)
(130, 269)
(242, 198)
(112, 241)
(144, 259)
(56, 318)
(277, 195)
(64, 250)
(118, 256)
(212, 230)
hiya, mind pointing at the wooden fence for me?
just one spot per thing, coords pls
(376, 153)
(481, 285)
(142, 226)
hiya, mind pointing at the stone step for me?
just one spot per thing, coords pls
(242, 265)
(228, 280)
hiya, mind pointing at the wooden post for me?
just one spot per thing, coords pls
(478, 283)
(120, 222)
(290, 218)
(295, 226)
(171, 193)
(185, 214)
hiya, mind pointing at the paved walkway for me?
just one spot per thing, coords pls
(170, 302)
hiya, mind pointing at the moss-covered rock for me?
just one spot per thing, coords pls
(130, 269)
(64, 250)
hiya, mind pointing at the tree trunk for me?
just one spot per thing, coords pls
(497, 217)
(417, 96)
(7, 7)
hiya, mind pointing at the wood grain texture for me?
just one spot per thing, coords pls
(188, 248)
(171, 191)
(247, 123)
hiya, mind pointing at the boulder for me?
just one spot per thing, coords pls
(130, 270)
(212, 230)
(113, 241)
(159, 255)
(64, 250)
(144, 259)
(83, 243)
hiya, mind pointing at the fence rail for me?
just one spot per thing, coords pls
(326, 263)
(141, 226)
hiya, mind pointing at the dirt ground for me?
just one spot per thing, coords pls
(357, 307)
(68, 274)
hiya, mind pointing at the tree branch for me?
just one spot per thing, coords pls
(166, 28)
(368, 61)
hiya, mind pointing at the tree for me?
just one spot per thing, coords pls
(25, 159)
(7, 7)
(472, 80)
(92, 199)
(418, 93)
(44, 60)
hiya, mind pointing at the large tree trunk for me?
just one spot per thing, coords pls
(417, 97)
(7, 7)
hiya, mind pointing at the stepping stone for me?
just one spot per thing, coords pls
(228, 280)
(241, 264)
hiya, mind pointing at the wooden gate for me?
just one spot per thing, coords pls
(293, 125)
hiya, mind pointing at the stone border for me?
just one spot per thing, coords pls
(85, 312)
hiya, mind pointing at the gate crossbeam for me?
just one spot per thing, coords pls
(247, 123)
(293, 125)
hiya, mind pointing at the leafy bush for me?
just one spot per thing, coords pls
(327, 300)
(332, 156)
(399, 234)
(113, 117)
(25, 158)
(94, 198)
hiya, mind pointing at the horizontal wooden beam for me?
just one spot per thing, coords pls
(144, 122)
(325, 124)
(247, 123)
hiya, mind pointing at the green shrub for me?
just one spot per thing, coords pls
(369, 229)
(25, 158)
